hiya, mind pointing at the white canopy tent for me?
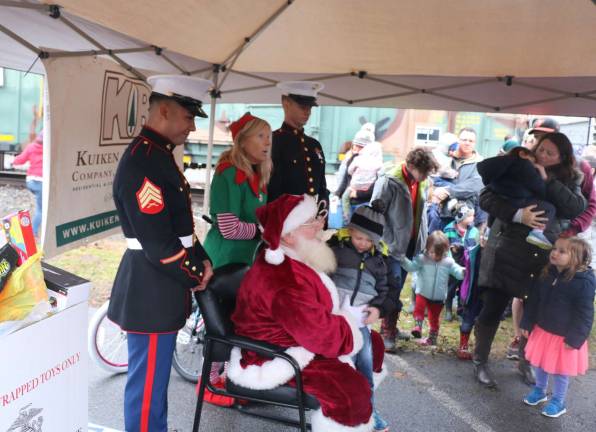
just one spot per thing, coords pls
(517, 56)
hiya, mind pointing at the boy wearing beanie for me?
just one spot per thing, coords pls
(362, 279)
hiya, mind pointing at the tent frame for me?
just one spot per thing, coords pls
(226, 67)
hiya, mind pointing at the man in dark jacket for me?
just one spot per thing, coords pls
(298, 159)
(164, 262)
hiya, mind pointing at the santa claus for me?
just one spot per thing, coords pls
(287, 299)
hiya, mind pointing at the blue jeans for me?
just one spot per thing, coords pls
(560, 383)
(363, 360)
(35, 186)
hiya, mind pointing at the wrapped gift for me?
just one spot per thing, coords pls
(19, 233)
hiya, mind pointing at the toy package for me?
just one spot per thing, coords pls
(19, 233)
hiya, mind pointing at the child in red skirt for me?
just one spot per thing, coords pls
(557, 321)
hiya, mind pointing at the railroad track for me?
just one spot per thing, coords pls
(13, 178)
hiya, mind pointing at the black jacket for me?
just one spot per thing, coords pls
(298, 165)
(365, 277)
(512, 177)
(151, 290)
(509, 263)
(564, 308)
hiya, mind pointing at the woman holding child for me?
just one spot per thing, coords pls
(510, 264)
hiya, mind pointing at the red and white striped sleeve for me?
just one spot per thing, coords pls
(232, 228)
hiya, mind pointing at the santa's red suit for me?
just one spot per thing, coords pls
(286, 302)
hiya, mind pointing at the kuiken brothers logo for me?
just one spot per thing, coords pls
(124, 106)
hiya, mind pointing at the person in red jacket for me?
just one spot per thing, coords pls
(33, 154)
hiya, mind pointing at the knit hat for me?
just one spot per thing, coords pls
(363, 138)
(280, 217)
(463, 212)
(509, 144)
(369, 220)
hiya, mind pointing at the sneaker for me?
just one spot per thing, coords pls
(554, 409)
(535, 397)
(379, 424)
(417, 332)
(513, 349)
(537, 238)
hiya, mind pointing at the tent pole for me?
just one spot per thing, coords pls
(20, 40)
(97, 44)
(214, 94)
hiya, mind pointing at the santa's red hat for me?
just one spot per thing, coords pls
(282, 216)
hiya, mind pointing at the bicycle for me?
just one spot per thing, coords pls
(107, 344)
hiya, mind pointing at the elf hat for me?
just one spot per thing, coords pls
(282, 216)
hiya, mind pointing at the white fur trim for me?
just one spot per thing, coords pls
(330, 285)
(356, 335)
(270, 374)
(304, 211)
(274, 256)
(379, 377)
(320, 423)
(347, 359)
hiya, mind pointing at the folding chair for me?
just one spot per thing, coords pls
(217, 303)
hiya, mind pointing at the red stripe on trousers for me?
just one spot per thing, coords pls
(147, 393)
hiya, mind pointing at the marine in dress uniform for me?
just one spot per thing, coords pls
(151, 296)
(298, 160)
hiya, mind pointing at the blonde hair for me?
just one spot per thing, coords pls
(237, 156)
(580, 253)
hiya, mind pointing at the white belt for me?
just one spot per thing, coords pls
(133, 243)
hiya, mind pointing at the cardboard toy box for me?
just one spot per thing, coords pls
(19, 233)
(64, 289)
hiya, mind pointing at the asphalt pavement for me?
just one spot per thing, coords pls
(422, 392)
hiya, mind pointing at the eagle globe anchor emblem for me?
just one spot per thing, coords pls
(28, 420)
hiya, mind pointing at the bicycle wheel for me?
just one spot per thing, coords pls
(106, 342)
(188, 354)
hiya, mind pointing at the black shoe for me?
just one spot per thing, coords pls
(402, 336)
(526, 372)
(484, 376)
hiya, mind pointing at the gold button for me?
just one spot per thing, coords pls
(145, 142)
(310, 179)
(201, 274)
(305, 148)
(294, 161)
(181, 189)
(525, 297)
(308, 158)
(309, 169)
(535, 254)
(169, 146)
(295, 131)
(312, 190)
(532, 275)
(194, 268)
(301, 139)
(186, 263)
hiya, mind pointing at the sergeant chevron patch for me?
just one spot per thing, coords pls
(150, 198)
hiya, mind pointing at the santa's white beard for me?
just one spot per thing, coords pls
(316, 254)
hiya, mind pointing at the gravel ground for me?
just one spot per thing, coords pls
(14, 198)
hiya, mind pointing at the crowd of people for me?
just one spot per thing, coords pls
(464, 229)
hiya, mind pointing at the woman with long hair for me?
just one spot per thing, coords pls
(238, 188)
(510, 265)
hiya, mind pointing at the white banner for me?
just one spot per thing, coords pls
(95, 108)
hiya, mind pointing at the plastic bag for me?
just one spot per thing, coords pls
(23, 291)
(8, 263)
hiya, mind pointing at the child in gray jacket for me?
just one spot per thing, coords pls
(434, 266)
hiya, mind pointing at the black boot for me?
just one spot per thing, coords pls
(484, 339)
(523, 366)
